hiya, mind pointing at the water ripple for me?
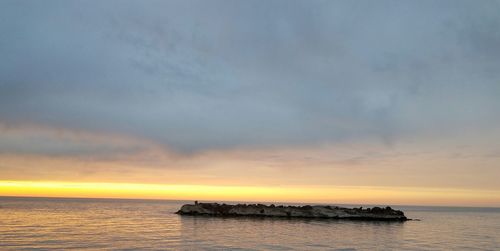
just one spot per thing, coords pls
(63, 224)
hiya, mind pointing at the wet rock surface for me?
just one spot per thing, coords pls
(307, 211)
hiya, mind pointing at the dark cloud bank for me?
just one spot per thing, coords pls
(199, 75)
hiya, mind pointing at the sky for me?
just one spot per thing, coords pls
(380, 102)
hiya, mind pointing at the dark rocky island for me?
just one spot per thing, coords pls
(260, 210)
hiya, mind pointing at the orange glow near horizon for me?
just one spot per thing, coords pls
(307, 194)
(103, 165)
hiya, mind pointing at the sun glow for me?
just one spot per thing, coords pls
(325, 194)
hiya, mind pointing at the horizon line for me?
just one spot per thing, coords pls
(235, 201)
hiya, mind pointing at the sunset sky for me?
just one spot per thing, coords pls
(370, 102)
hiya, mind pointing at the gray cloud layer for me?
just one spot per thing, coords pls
(199, 75)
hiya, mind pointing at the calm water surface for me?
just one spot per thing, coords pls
(51, 224)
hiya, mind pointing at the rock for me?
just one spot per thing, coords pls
(260, 210)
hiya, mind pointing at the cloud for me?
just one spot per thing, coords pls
(32, 152)
(36, 140)
(196, 76)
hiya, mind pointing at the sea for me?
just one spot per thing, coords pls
(118, 224)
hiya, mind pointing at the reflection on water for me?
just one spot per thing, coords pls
(136, 224)
(283, 234)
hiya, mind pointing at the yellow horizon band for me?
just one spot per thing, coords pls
(318, 194)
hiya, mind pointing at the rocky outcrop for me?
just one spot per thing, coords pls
(260, 210)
